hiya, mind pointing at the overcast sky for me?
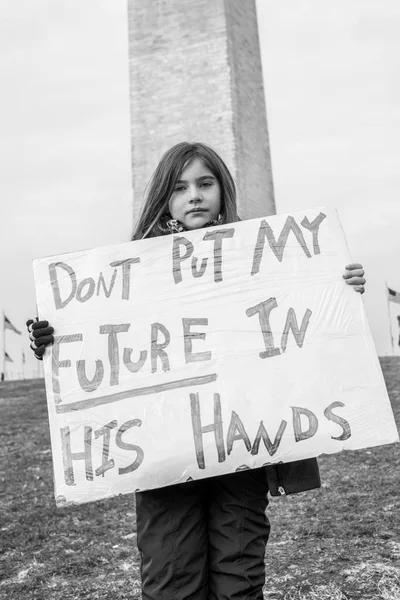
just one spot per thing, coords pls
(331, 74)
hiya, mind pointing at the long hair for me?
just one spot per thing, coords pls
(155, 210)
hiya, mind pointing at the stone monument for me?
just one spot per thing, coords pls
(195, 75)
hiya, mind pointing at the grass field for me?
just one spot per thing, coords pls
(339, 542)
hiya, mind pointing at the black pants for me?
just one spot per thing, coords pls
(204, 540)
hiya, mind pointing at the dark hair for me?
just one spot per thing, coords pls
(155, 211)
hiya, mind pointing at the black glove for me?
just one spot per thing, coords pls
(40, 334)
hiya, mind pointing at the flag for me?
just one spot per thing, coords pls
(9, 325)
(393, 296)
(23, 357)
(7, 357)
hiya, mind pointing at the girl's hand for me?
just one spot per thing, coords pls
(354, 275)
(40, 334)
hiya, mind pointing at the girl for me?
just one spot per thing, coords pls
(203, 540)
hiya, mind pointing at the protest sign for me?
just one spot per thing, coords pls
(206, 352)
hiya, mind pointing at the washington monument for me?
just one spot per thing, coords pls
(195, 75)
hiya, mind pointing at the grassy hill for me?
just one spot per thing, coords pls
(339, 542)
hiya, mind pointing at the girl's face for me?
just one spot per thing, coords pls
(196, 199)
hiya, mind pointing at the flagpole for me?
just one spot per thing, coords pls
(3, 354)
(389, 315)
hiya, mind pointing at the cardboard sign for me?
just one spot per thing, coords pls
(207, 352)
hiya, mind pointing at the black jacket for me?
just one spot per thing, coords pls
(293, 477)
